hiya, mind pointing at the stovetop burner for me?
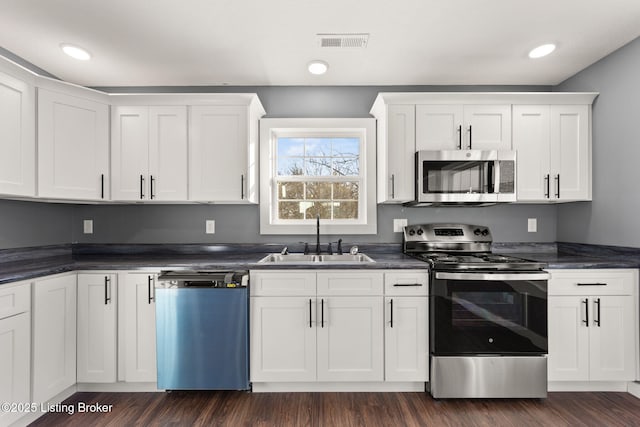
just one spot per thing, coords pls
(459, 247)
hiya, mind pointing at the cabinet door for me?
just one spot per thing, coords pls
(531, 140)
(96, 354)
(406, 339)
(350, 282)
(570, 152)
(568, 358)
(218, 153)
(130, 153)
(15, 358)
(168, 153)
(612, 340)
(439, 127)
(283, 339)
(487, 127)
(350, 339)
(73, 147)
(137, 327)
(17, 136)
(396, 149)
(54, 336)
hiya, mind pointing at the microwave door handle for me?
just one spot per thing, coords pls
(496, 176)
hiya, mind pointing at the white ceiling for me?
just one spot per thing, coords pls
(270, 42)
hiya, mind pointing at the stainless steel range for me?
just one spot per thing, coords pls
(487, 314)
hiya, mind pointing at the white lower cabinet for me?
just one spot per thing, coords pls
(15, 347)
(97, 315)
(137, 327)
(593, 334)
(329, 327)
(54, 336)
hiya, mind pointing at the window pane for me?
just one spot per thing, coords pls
(346, 166)
(318, 166)
(322, 208)
(345, 191)
(318, 190)
(290, 210)
(290, 166)
(290, 190)
(317, 147)
(345, 210)
(346, 147)
(288, 147)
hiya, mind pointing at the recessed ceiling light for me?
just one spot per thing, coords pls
(541, 51)
(318, 67)
(75, 52)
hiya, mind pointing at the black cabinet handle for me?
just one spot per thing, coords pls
(393, 186)
(547, 178)
(152, 180)
(149, 286)
(391, 317)
(141, 187)
(241, 187)
(322, 313)
(107, 297)
(459, 137)
(586, 308)
(557, 178)
(470, 138)
(591, 284)
(310, 324)
(102, 186)
(596, 322)
(407, 284)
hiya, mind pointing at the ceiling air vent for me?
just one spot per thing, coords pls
(358, 40)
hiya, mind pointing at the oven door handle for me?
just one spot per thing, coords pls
(543, 275)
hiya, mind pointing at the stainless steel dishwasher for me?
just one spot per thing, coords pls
(202, 330)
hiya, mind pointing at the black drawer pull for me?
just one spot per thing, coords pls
(592, 284)
(407, 284)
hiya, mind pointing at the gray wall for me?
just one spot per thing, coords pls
(612, 217)
(24, 224)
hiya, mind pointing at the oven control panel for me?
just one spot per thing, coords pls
(447, 233)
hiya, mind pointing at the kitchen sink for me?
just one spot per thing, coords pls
(315, 259)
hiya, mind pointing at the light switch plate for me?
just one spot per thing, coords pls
(398, 224)
(532, 225)
(87, 226)
(210, 226)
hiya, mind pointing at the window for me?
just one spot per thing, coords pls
(312, 167)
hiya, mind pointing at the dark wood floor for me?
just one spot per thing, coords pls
(346, 409)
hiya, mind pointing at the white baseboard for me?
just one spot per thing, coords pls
(119, 387)
(634, 388)
(339, 387)
(30, 417)
(588, 386)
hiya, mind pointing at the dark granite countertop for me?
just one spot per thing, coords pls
(29, 263)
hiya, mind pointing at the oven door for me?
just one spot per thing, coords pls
(482, 313)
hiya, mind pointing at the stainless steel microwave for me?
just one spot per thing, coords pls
(469, 177)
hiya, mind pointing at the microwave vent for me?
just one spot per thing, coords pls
(349, 40)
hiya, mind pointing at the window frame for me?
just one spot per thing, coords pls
(271, 129)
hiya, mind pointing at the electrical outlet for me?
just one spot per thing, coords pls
(210, 226)
(87, 226)
(398, 224)
(532, 225)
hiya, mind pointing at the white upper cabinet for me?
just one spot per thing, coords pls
(17, 132)
(463, 127)
(554, 152)
(395, 150)
(149, 153)
(223, 151)
(73, 146)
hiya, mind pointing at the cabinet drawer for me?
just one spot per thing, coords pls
(282, 283)
(406, 283)
(593, 282)
(14, 299)
(350, 283)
